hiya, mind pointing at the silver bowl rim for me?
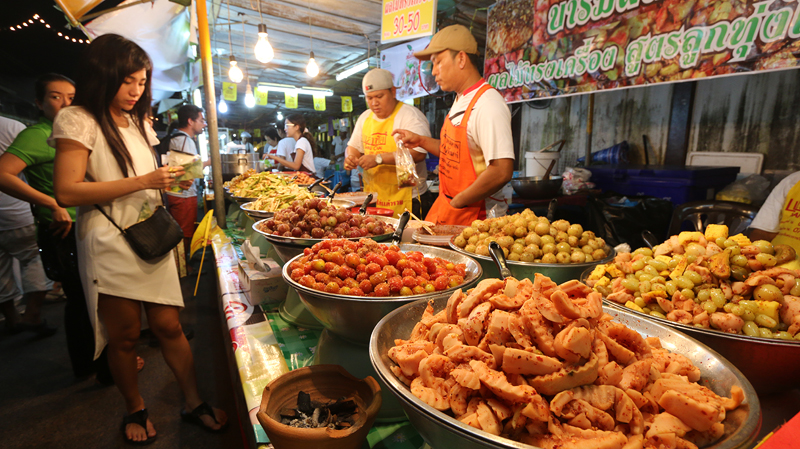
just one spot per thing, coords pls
(413, 298)
(690, 329)
(532, 179)
(609, 250)
(404, 393)
(303, 243)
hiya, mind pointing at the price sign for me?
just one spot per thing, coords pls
(347, 104)
(291, 100)
(319, 102)
(262, 96)
(229, 91)
(406, 19)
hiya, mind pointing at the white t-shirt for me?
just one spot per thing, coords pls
(14, 213)
(338, 145)
(410, 118)
(185, 144)
(308, 155)
(769, 216)
(488, 134)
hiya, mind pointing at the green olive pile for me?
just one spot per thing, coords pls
(525, 237)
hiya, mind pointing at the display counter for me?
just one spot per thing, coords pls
(264, 346)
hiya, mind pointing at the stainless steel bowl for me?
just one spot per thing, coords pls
(558, 272)
(242, 200)
(441, 430)
(289, 247)
(537, 188)
(256, 214)
(771, 365)
(353, 317)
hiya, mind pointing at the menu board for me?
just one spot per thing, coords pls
(406, 19)
(547, 48)
(405, 70)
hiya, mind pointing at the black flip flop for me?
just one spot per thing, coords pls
(138, 418)
(193, 417)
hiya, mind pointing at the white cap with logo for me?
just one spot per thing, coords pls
(377, 79)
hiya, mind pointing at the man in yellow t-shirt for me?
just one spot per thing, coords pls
(778, 220)
(372, 146)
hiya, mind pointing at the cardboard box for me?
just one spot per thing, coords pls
(263, 288)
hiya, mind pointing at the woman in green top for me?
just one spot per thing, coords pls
(30, 153)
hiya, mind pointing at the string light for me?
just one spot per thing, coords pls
(263, 49)
(223, 107)
(38, 20)
(234, 73)
(312, 68)
(249, 99)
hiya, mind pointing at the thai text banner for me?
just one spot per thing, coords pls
(547, 48)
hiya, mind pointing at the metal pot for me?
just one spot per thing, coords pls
(536, 188)
(236, 164)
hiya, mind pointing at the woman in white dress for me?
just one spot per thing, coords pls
(104, 158)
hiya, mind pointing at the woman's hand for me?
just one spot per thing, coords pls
(185, 185)
(162, 178)
(62, 222)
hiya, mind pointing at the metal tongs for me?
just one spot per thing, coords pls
(401, 226)
(363, 209)
(500, 259)
(319, 182)
(333, 192)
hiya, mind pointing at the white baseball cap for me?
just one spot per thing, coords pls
(377, 79)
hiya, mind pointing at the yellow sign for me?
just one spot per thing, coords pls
(406, 19)
(319, 102)
(347, 104)
(229, 91)
(257, 132)
(291, 100)
(261, 97)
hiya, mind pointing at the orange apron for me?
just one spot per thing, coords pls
(377, 138)
(456, 172)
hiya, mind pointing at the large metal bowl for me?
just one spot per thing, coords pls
(558, 272)
(353, 317)
(440, 430)
(289, 247)
(537, 188)
(770, 364)
(256, 214)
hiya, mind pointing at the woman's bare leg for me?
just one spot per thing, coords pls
(122, 319)
(165, 325)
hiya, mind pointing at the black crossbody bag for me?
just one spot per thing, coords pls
(153, 237)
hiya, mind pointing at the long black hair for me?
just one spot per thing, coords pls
(300, 121)
(105, 64)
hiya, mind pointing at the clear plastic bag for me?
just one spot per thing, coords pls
(750, 190)
(575, 180)
(406, 167)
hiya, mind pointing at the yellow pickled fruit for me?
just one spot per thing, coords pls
(767, 292)
(764, 246)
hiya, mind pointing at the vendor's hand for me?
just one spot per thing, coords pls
(350, 163)
(162, 178)
(62, 222)
(410, 139)
(367, 161)
(185, 185)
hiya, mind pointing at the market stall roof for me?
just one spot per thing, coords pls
(341, 34)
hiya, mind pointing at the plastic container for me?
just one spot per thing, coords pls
(375, 211)
(676, 184)
(443, 235)
(536, 163)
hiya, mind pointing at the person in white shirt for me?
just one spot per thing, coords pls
(373, 148)
(476, 160)
(183, 204)
(302, 155)
(18, 241)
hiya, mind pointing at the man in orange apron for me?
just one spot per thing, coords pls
(476, 151)
(372, 146)
(778, 220)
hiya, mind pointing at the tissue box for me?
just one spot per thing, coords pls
(263, 288)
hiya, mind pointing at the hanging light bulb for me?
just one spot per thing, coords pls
(312, 69)
(249, 99)
(235, 73)
(263, 49)
(223, 107)
(280, 115)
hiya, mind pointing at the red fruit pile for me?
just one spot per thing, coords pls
(367, 268)
(315, 218)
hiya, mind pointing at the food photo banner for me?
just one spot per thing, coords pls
(540, 48)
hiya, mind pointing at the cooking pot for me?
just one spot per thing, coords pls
(536, 188)
(238, 163)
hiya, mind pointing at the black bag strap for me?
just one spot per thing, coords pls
(109, 218)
